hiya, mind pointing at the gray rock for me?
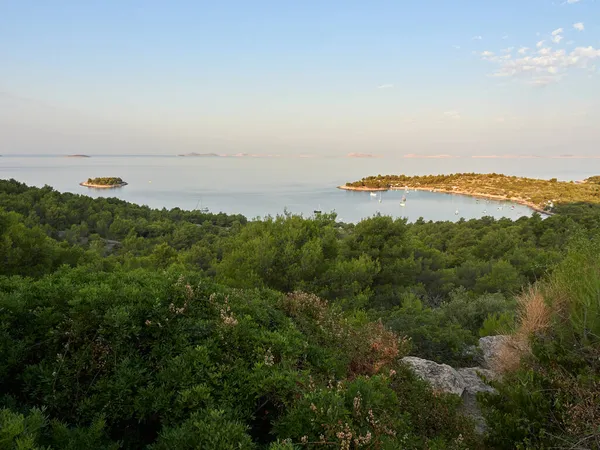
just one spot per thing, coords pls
(473, 385)
(441, 376)
(472, 380)
(466, 382)
(490, 346)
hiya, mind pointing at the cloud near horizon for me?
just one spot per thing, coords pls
(385, 86)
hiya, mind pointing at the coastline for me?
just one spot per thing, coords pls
(519, 201)
(102, 186)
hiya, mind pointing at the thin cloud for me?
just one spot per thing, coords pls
(547, 67)
(556, 39)
(505, 37)
(557, 31)
(579, 26)
(523, 50)
(540, 44)
(477, 38)
(455, 115)
(456, 47)
(385, 86)
(570, 2)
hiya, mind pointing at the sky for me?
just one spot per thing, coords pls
(314, 77)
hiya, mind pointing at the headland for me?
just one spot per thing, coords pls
(538, 194)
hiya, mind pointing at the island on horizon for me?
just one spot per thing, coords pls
(104, 182)
(77, 156)
(361, 155)
(539, 195)
(203, 155)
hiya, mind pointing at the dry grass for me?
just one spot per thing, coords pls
(534, 313)
(534, 317)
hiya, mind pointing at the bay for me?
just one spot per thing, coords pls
(256, 187)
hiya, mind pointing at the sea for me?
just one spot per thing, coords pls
(257, 187)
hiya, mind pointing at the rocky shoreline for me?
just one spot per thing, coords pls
(102, 186)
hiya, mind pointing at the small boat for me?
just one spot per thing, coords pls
(201, 209)
(318, 211)
(485, 211)
(373, 194)
(404, 199)
(403, 204)
(456, 212)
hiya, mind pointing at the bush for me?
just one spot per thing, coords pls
(553, 399)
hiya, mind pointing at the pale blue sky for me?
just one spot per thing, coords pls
(323, 77)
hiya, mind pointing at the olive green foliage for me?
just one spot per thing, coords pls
(594, 179)
(33, 431)
(553, 400)
(123, 326)
(176, 362)
(531, 190)
(374, 265)
(105, 181)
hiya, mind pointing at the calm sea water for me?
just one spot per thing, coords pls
(256, 187)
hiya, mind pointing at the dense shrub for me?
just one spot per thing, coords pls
(553, 398)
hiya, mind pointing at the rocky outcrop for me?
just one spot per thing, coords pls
(442, 377)
(490, 347)
(465, 382)
(445, 378)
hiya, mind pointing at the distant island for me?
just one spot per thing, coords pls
(104, 182)
(77, 156)
(202, 155)
(540, 195)
(361, 155)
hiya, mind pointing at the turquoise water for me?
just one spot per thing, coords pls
(256, 187)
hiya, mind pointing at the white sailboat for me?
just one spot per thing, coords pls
(380, 197)
(201, 209)
(373, 194)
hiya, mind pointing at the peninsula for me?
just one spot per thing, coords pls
(540, 195)
(104, 182)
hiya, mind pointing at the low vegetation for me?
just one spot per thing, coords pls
(127, 327)
(550, 394)
(542, 194)
(105, 181)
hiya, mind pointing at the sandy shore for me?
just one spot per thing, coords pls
(102, 186)
(520, 201)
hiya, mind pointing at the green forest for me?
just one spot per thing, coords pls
(536, 192)
(126, 327)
